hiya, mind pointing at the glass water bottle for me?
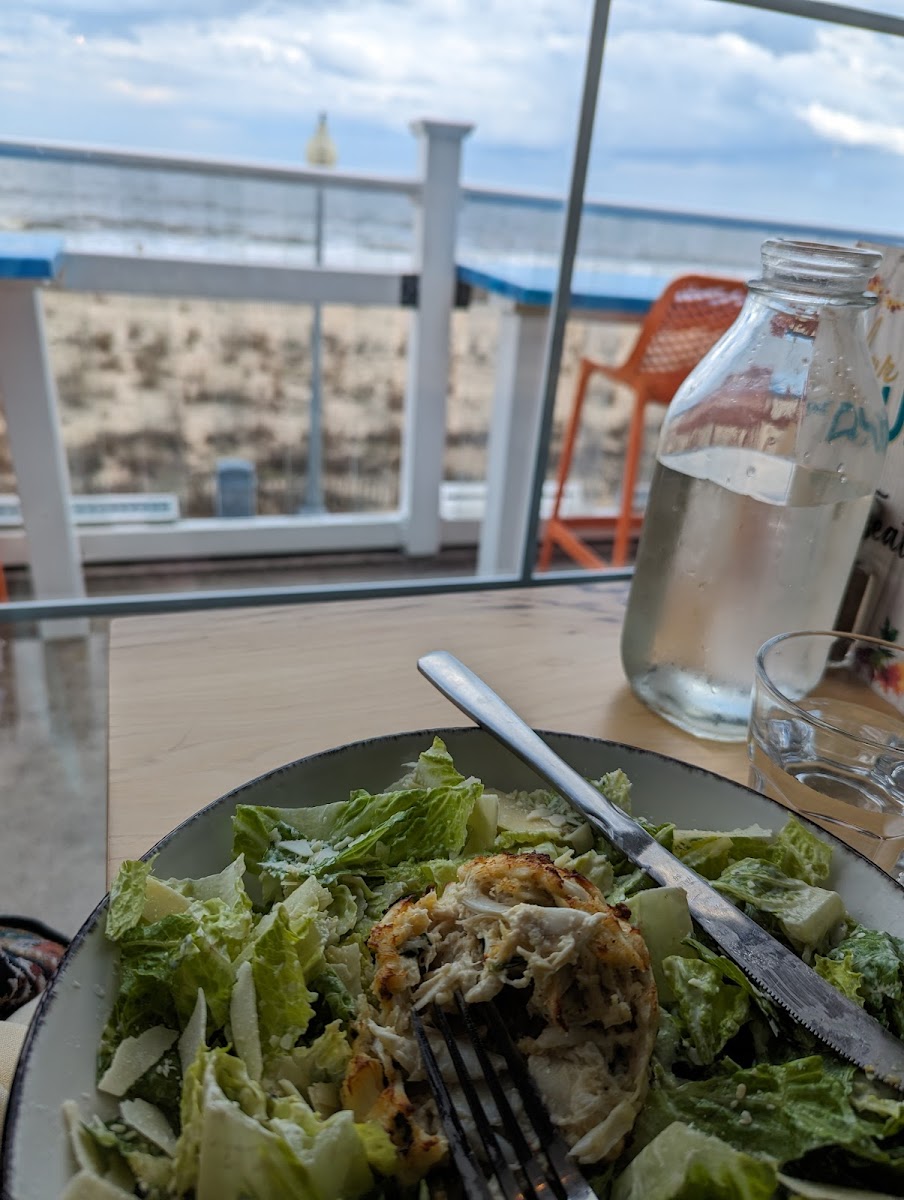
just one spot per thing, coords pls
(768, 459)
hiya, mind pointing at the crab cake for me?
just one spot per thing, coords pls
(570, 973)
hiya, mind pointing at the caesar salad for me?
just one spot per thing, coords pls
(260, 1041)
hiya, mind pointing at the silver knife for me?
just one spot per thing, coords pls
(829, 1015)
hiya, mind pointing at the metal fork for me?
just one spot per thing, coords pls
(547, 1173)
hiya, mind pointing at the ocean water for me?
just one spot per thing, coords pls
(138, 210)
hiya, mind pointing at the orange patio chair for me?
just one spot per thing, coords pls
(682, 325)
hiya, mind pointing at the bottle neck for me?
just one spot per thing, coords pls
(814, 274)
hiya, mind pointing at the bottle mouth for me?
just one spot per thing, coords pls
(817, 268)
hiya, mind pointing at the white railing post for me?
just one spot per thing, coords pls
(423, 436)
(29, 398)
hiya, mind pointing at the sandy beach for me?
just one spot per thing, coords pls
(153, 392)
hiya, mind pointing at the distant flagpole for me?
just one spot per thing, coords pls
(320, 152)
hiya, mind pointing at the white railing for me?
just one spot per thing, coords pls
(51, 541)
(221, 168)
(167, 275)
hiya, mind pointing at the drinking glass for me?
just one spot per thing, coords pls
(826, 736)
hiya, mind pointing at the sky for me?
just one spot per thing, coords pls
(705, 106)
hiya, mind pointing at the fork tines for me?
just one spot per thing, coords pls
(535, 1175)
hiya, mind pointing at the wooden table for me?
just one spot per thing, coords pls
(199, 703)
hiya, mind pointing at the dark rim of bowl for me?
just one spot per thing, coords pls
(14, 1103)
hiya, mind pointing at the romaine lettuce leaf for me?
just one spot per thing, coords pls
(706, 853)
(221, 903)
(615, 786)
(840, 972)
(668, 1040)
(887, 1111)
(381, 1154)
(539, 805)
(682, 1163)
(164, 962)
(795, 851)
(162, 965)
(709, 852)
(406, 879)
(322, 1061)
(365, 835)
(340, 1004)
(805, 914)
(279, 959)
(709, 1008)
(482, 825)
(777, 1111)
(629, 880)
(127, 898)
(801, 854)
(346, 961)
(528, 819)
(731, 970)
(593, 866)
(540, 841)
(236, 1144)
(216, 1080)
(241, 1159)
(330, 1150)
(878, 959)
(120, 1156)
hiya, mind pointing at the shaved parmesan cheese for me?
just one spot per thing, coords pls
(86, 1186)
(134, 1056)
(85, 1149)
(149, 1121)
(194, 1036)
(243, 1019)
(301, 847)
(160, 900)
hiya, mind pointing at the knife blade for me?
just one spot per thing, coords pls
(784, 977)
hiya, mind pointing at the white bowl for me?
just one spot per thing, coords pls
(58, 1058)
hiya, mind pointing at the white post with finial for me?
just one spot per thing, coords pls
(424, 431)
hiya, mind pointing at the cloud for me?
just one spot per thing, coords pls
(143, 95)
(711, 97)
(126, 18)
(514, 69)
(694, 83)
(838, 126)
